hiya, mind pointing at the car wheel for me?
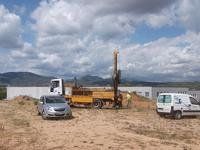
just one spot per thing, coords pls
(98, 104)
(44, 115)
(39, 113)
(177, 115)
(69, 116)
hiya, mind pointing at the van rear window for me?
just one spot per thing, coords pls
(164, 99)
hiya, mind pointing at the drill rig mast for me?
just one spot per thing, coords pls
(116, 80)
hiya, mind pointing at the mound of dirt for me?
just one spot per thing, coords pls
(139, 102)
(24, 103)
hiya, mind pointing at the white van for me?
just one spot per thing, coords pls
(177, 105)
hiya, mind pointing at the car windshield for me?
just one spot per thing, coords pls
(164, 99)
(55, 100)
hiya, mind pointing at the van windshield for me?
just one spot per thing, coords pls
(164, 99)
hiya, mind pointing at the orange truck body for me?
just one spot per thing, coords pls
(88, 96)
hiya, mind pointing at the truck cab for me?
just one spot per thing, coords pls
(57, 87)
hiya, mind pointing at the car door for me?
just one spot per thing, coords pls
(194, 106)
(40, 104)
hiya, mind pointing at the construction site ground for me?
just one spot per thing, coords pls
(136, 128)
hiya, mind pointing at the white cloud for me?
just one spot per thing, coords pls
(78, 37)
(188, 14)
(83, 35)
(105, 19)
(10, 29)
(166, 17)
(165, 59)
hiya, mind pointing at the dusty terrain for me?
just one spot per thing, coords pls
(136, 128)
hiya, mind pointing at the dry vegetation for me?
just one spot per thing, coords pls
(136, 128)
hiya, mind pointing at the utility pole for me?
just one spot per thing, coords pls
(116, 78)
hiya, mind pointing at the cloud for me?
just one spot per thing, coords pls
(165, 59)
(83, 33)
(188, 14)
(10, 29)
(77, 37)
(105, 19)
(164, 18)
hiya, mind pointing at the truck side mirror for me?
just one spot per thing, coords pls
(51, 89)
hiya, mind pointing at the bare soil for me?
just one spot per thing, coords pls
(136, 128)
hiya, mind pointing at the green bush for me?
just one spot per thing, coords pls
(2, 93)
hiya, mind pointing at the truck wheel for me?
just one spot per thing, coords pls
(98, 104)
(177, 115)
(162, 115)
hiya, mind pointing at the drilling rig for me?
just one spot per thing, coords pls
(116, 80)
(97, 97)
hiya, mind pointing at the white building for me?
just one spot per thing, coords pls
(149, 92)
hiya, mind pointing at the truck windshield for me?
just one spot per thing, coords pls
(164, 99)
(55, 100)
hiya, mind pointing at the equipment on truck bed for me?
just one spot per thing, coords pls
(97, 97)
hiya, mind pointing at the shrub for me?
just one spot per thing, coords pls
(2, 93)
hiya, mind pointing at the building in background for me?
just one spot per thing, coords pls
(148, 92)
(157, 90)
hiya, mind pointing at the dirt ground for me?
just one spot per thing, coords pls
(136, 128)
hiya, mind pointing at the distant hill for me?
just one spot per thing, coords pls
(23, 79)
(31, 79)
(89, 80)
(94, 81)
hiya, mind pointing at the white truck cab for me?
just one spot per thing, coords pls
(177, 105)
(57, 87)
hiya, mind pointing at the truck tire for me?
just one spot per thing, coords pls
(98, 104)
(162, 115)
(177, 115)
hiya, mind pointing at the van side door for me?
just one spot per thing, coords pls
(194, 106)
(182, 102)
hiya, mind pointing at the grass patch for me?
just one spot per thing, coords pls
(2, 93)
(35, 101)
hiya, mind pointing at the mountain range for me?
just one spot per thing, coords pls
(31, 79)
(23, 79)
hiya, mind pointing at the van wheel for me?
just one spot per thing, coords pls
(177, 115)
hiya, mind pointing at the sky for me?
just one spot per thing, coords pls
(158, 40)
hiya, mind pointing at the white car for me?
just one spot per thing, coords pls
(177, 105)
